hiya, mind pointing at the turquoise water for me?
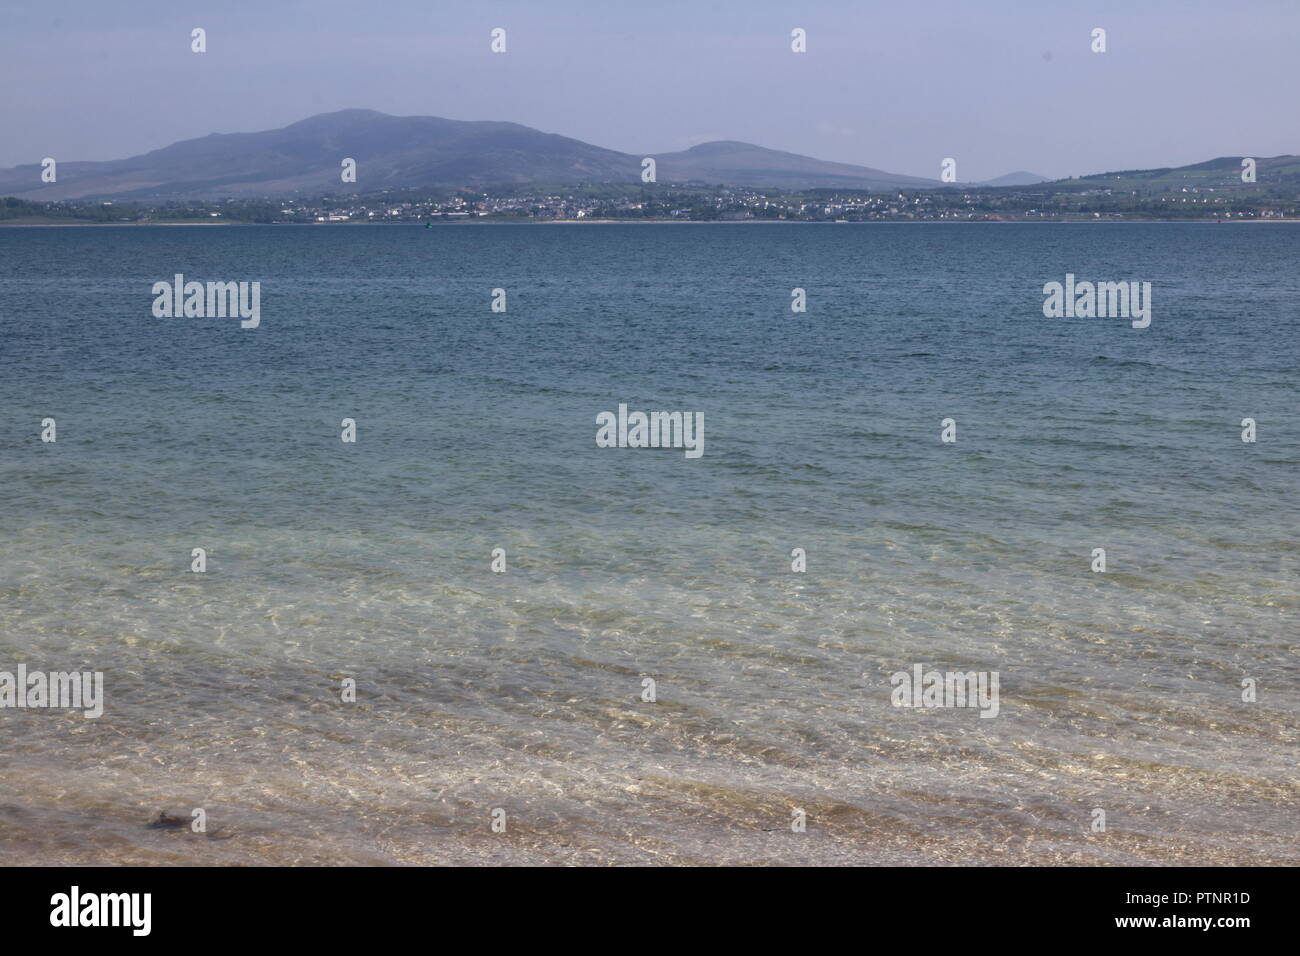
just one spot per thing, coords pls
(522, 690)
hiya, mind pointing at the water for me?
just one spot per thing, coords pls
(522, 691)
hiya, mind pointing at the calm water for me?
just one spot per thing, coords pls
(523, 690)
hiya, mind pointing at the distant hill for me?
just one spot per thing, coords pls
(1221, 173)
(397, 152)
(402, 152)
(748, 165)
(391, 152)
(1018, 178)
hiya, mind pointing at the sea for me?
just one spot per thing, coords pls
(477, 635)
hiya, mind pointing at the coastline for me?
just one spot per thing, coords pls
(655, 222)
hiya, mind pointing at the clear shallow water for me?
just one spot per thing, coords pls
(522, 691)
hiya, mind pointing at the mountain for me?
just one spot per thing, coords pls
(744, 164)
(396, 152)
(1018, 178)
(392, 152)
(1221, 173)
(400, 152)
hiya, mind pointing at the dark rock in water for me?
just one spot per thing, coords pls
(166, 822)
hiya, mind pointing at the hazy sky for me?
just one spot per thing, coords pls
(1000, 85)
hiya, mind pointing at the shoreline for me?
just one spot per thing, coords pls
(654, 222)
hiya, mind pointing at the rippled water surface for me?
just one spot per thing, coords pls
(522, 690)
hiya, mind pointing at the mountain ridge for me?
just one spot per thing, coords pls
(398, 152)
(405, 152)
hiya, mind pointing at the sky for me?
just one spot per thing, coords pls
(998, 86)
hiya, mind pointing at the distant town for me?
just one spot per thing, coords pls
(1057, 201)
